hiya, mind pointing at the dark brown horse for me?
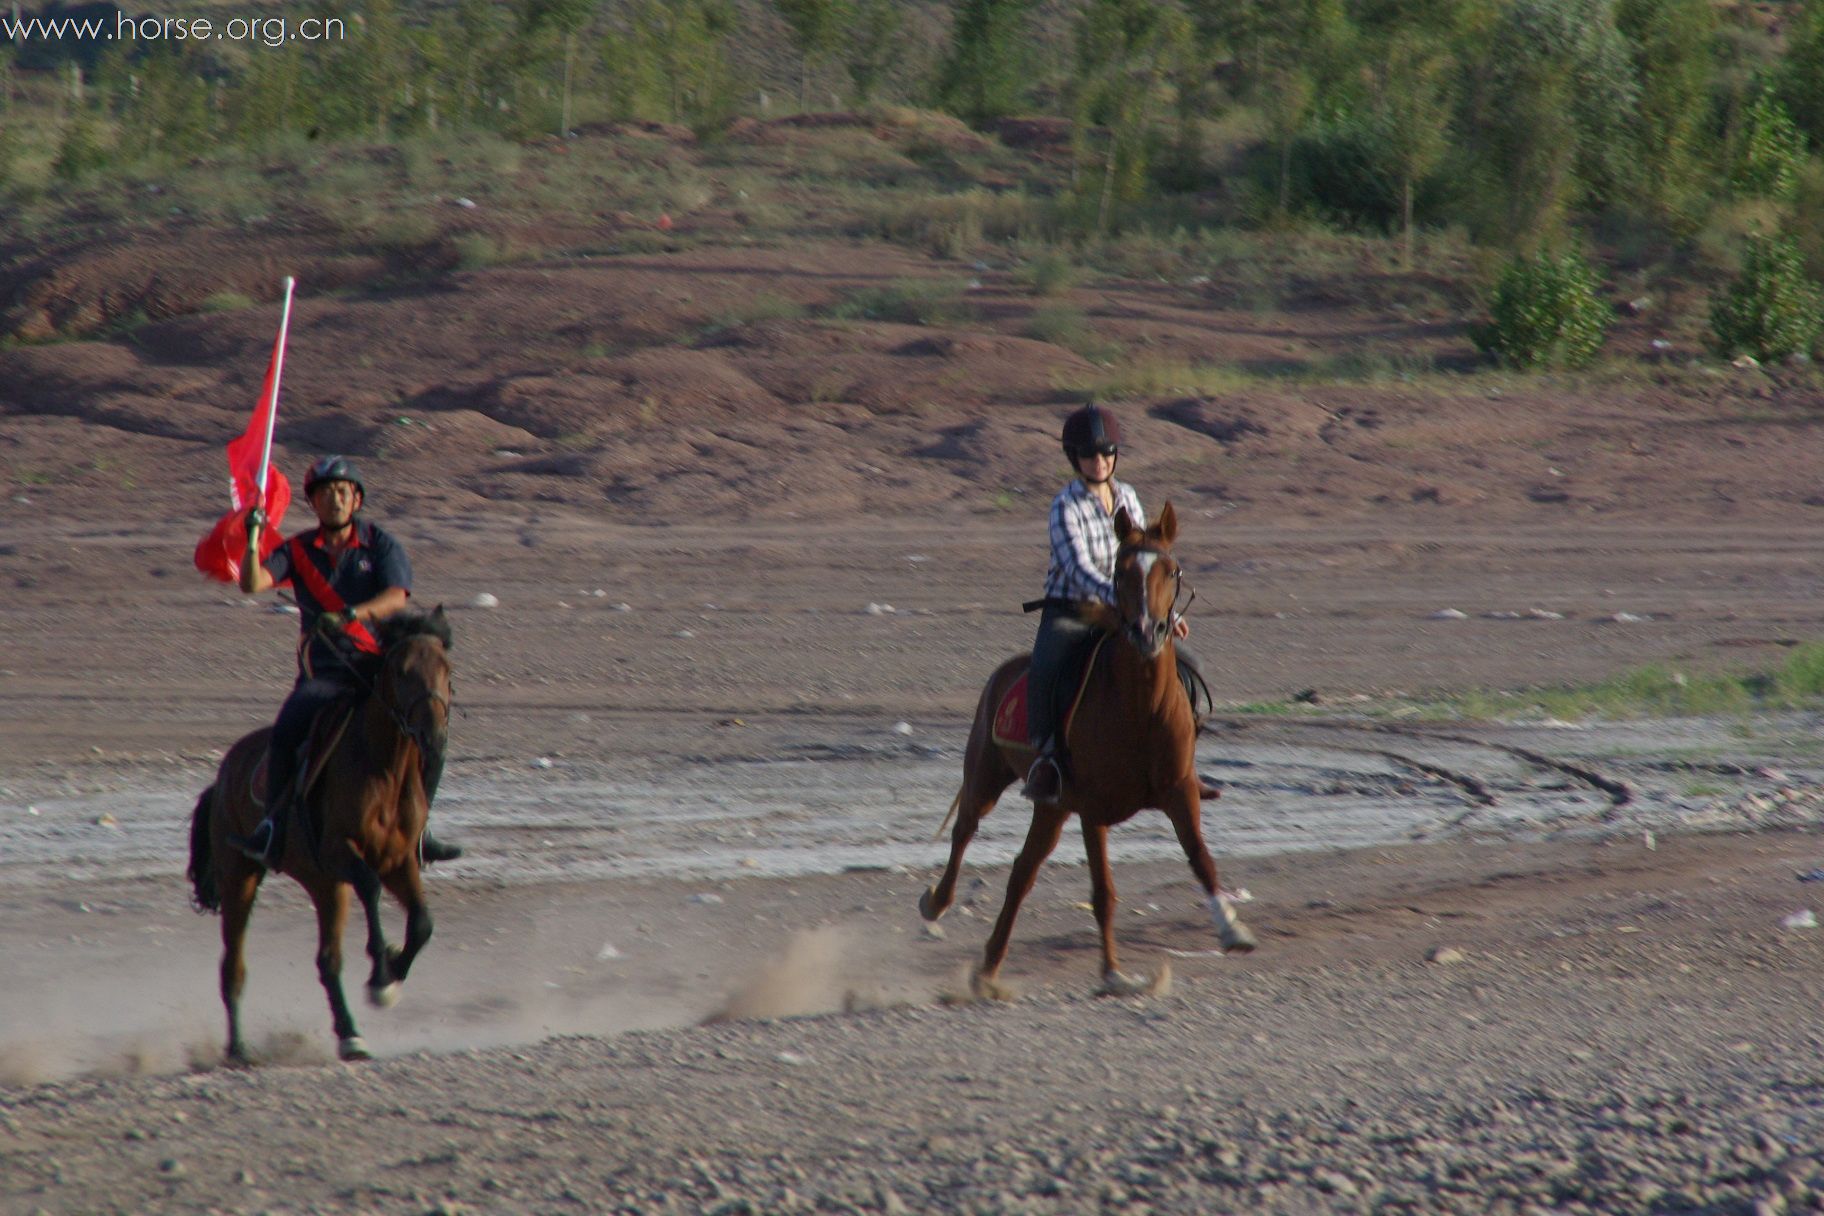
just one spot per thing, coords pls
(357, 826)
(1132, 746)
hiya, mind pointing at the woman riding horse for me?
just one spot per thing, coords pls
(1083, 544)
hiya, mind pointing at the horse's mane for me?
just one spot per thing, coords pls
(403, 625)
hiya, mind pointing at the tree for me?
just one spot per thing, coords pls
(873, 45)
(1414, 110)
(1126, 52)
(1671, 43)
(558, 23)
(817, 28)
(667, 58)
(1552, 106)
(984, 75)
(1801, 78)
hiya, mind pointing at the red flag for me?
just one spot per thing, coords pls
(218, 555)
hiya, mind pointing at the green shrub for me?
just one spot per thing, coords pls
(1771, 310)
(1544, 313)
(907, 301)
(1051, 273)
(1771, 151)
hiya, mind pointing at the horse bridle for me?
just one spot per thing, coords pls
(400, 716)
(1132, 628)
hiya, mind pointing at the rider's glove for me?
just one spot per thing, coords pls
(332, 623)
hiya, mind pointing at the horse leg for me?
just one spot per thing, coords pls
(382, 984)
(1103, 900)
(985, 775)
(1041, 839)
(240, 887)
(1183, 809)
(331, 900)
(407, 886)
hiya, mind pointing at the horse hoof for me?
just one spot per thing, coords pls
(384, 996)
(237, 1057)
(352, 1048)
(1237, 938)
(988, 988)
(927, 905)
(1116, 984)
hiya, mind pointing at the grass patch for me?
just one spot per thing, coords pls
(1653, 691)
(1065, 325)
(907, 301)
(227, 301)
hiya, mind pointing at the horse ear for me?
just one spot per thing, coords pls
(1167, 527)
(1124, 527)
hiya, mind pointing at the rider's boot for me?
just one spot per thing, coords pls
(1044, 780)
(431, 849)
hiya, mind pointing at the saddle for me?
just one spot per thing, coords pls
(326, 730)
(1010, 729)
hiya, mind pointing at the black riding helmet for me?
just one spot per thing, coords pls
(333, 468)
(1090, 429)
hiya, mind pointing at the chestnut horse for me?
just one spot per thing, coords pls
(1131, 746)
(357, 826)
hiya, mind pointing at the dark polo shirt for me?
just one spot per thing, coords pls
(373, 563)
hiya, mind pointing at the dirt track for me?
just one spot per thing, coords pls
(1629, 1029)
(725, 546)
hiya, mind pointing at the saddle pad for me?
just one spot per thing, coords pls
(1009, 729)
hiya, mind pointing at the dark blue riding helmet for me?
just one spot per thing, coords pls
(333, 468)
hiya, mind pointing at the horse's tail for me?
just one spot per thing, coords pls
(948, 815)
(207, 895)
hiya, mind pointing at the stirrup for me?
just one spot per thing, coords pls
(1044, 781)
(257, 845)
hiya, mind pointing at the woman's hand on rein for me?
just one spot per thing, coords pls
(1181, 628)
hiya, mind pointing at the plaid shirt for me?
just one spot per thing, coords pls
(1083, 542)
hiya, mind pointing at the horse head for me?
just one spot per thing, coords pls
(1147, 581)
(414, 678)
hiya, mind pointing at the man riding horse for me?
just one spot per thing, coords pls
(1083, 545)
(347, 574)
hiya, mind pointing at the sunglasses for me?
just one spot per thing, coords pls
(1101, 449)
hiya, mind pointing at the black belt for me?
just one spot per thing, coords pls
(1050, 601)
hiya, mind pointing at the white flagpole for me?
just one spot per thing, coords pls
(272, 412)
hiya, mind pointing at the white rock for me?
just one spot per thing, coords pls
(1502, 615)
(1626, 618)
(465, 203)
(32, 810)
(1544, 614)
(792, 1057)
(1647, 838)
(1445, 955)
(599, 594)
(1803, 919)
(706, 897)
(902, 728)
(484, 600)
(1660, 344)
(875, 609)
(607, 952)
(284, 609)
(542, 762)
(1239, 895)
(1449, 614)
(623, 607)
(683, 633)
